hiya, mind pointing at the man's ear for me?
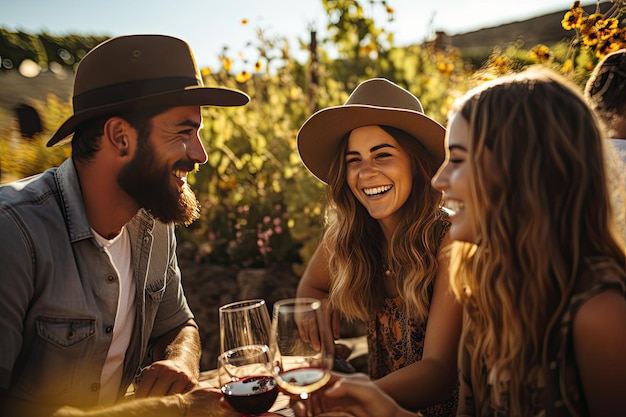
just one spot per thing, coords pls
(116, 132)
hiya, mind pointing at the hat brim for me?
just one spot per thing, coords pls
(319, 137)
(191, 96)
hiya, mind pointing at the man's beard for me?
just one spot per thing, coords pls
(150, 185)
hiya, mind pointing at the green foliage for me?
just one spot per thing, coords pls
(21, 157)
(260, 206)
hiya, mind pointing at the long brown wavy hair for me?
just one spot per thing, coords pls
(356, 244)
(543, 206)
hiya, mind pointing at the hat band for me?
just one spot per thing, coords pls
(131, 90)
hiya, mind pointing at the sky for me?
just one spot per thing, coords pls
(209, 25)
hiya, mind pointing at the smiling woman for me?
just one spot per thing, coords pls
(378, 173)
(455, 183)
(380, 260)
(540, 266)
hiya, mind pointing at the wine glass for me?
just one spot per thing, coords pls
(244, 363)
(244, 323)
(301, 345)
(245, 379)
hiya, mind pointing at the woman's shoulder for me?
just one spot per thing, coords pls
(601, 280)
(598, 294)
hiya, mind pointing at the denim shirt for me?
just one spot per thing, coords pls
(59, 291)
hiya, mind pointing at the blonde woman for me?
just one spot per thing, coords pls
(539, 266)
(380, 259)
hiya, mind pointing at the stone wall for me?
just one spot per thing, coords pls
(207, 287)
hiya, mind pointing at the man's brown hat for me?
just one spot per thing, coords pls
(130, 72)
(377, 101)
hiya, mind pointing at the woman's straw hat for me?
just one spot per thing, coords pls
(377, 101)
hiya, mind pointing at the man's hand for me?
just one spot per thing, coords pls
(175, 368)
(164, 378)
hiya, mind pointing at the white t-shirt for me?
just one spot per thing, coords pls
(119, 252)
(620, 147)
(619, 203)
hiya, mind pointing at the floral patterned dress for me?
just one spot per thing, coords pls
(395, 341)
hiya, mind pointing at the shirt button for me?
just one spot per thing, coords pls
(110, 278)
(109, 329)
(95, 387)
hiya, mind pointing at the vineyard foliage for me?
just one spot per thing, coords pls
(260, 205)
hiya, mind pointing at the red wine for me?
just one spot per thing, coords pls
(251, 395)
(300, 380)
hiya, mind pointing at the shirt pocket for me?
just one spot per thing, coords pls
(156, 290)
(59, 358)
(65, 332)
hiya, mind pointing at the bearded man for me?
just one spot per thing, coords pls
(90, 289)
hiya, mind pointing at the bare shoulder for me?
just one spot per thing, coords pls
(599, 346)
(604, 308)
(601, 318)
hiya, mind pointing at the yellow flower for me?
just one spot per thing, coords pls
(597, 32)
(541, 53)
(607, 28)
(588, 24)
(243, 76)
(567, 66)
(501, 64)
(389, 9)
(590, 37)
(257, 66)
(445, 68)
(606, 47)
(206, 71)
(227, 63)
(571, 20)
(366, 50)
(244, 21)
(295, 93)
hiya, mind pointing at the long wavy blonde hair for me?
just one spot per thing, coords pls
(357, 248)
(542, 207)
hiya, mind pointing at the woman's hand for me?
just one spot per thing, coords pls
(350, 394)
(358, 396)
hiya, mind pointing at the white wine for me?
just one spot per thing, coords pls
(301, 380)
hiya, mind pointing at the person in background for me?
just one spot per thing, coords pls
(380, 259)
(537, 262)
(90, 286)
(605, 91)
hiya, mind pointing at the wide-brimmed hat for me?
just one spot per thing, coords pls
(135, 71)
(376, 101)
